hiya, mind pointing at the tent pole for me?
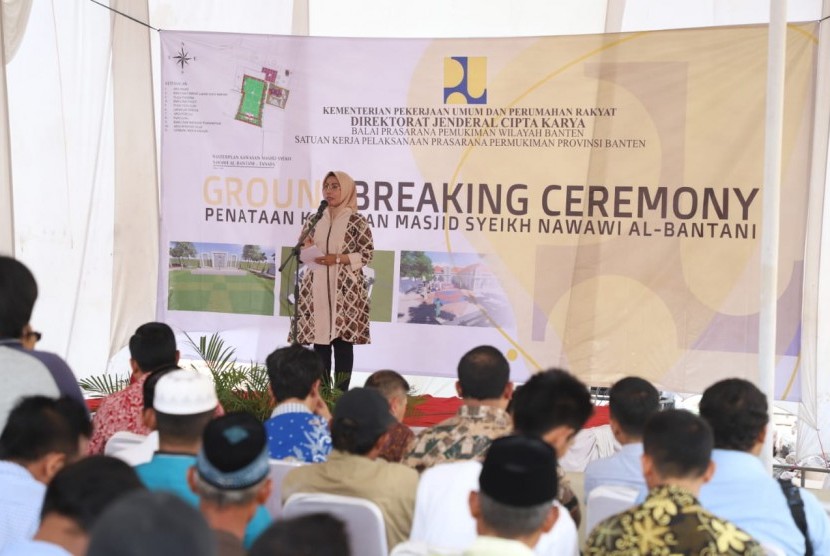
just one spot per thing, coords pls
(6, 195)
(770, 216)
(299, 19)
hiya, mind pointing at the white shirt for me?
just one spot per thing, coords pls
(482, 546)
(443, 520)
(493, 546)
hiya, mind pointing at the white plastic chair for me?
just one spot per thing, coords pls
(132, 448)
(605, 501)
(279, 469)
(363, 519)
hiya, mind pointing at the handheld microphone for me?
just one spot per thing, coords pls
(323, 205)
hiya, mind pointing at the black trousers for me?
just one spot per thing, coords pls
(343, 361)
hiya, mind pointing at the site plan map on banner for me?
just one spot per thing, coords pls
(589, 202)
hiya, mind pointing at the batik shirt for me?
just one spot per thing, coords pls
(399, 442)
(297, 434)
(670, 521)
(122, 411)
(467, 435)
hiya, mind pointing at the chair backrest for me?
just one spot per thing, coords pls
(122, 440)
(363, 519)
(605, 501)
(279, 469)
(132, 448)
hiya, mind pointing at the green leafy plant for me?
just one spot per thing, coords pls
(238, 387)
(243, 387)
(99, 386)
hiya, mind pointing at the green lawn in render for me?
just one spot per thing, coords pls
(245, 294)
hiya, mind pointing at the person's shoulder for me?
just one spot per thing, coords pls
(397, 468)
(814, 508)
(35, 358)
(601, 465)
(119, 399)
(606, 532)
(298, 420)
(809, 498)
(357, 219)
(441, 428)
(301, 472)
(726, 532)
(402, 475)
(452, 471)
(32, 547)
(53, 361)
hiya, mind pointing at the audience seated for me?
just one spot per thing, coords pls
(394, 388)
(152, 347)
(184, 402)
(317, 534)
(151, 523)
(231, 477)
(553, 405)
(298, 429)
(632, 400)
(677, 448)
(25, 371)
(512, 502)
(742, 490)
(359, 429)
(77, 496)
(41, 436)
(484, 384)
(141, 448)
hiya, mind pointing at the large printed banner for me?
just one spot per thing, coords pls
(590, 202)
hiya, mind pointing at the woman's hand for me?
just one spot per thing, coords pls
(329, 260)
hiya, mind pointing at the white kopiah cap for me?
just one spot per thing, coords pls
(184, 392)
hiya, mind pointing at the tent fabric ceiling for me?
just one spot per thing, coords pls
(15, 17)
(82, 125)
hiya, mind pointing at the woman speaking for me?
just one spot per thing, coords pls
(333, 303)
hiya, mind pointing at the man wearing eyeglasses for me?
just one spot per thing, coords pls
(25, 371)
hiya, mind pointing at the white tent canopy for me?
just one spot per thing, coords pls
(78, 148)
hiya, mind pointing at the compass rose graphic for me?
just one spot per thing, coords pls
(183, 58)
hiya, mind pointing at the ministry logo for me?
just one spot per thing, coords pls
(465, 80)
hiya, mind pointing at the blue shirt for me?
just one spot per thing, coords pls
(297, 434)
(21, 498)
(168, 473)
(34, 548)
(743, 492)
(818, 523)
(621, 469)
